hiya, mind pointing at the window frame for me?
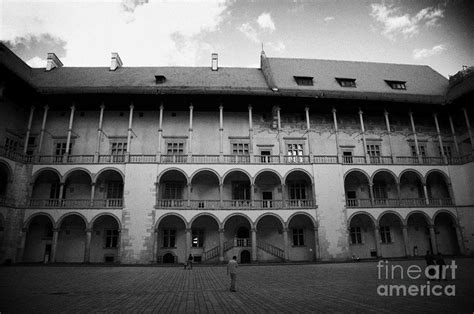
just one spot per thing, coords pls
(304, 80)
(169, 237)
(385, 235)
(346, 82)
(356, 235)
(111, 238)
(298, 237)
(197, 235)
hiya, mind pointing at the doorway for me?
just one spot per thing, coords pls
(245, 257)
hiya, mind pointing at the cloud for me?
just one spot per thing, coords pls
(249, 32)
(328, 19)
(130, 5)
(278, 46)
(37, 62)
(394, 23)
(35, 47)
(265, 22)
(426, 53)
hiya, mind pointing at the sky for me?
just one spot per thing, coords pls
(185, 33)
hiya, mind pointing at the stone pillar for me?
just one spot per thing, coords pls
(425, 194)
(188, 243)
(364, 142)
(389, 134)
(336, 130)
(460, 239)
(453, 132)
(189, 194)
(469, 131)
(280, 145)
(160, 132)
(157, 194)
(99, 132)
(405, 240)
(28, 129)
(69, 132)
(119, 246)
(308, 131)
(190, 140)
(284, 196)
(254, 245)
(221, 245)
(371, 193)
(286, 244)
(43, 128)
(316, 244)
(221, 195)
(129, 131)
(61, 190)
(87, 251)
(434, 243)
(21, 248)
(54, 245)
(251, 135)
(378, 241)
(440, 139)
(155, 246)
(92, 193)
(252, 195)
(221, 131)
(415, 137)
(399, 193)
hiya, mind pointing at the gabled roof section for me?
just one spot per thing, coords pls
(11, 62)
(423, 84)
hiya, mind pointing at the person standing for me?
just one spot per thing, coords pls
(232, 271)
(190, 261)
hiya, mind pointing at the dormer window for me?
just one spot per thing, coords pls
(396, 84)
(160, 79)
(304, 80)
(346, 82)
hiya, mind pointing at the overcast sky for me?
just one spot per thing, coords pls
(185, 33)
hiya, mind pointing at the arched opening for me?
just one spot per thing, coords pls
(205, 190)
(109, 190)
(270, 239)
(268, 192)
(243, 233)
(169, 258)
(172, 189)
(299, 190)
(391, 236)
(4, 177)
(71, 240)
(301, 233)
(237, 190)
(411, 190)
(38, 242)
(418, 235)
(385, 189)
(171, 238)
(245, 257)
(438, 191)
(236, 235)
(46, 190)
(77, 190)
(105, 240)
(445, 231)
(362, 237)
(356, 186)
(205, 239)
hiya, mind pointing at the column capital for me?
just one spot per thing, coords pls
(253, 230)
(250, 107)
(92, 183)
(404, 226)
(188, 230)
(221, 107)
(88, 230)
(334, 110)
(73, 107)
(46, 107)
(162, 107)
(385, 112)
(191, 107)
(315, 229)
(306, 108)
(102, 106)
(435, 115)
(56, 229)
(131, 106)
(221, 230)
(360, 111)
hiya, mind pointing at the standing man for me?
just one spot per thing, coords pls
(232, 271)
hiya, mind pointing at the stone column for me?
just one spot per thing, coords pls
(188, 243)
(415, 137)
(251, 135)
(54, 245)
(92, 193)
(61, 190)
(221, 131)
(284, 196)
(157, 195)
(87, 251)
(99, 132)
(371, 193)
(129, 131)
(119, 246)
(378, 241)
(308, 130)
(405, 240)
(43, 128)
(468, 128)
(399, 193)
(189, 194)
(339, 154)
(160, 132)
(221, 195)
(316, 244)
(440, 139)
(286, 244)
(460, 239)
(190, 140)
(453, 132)
(364, 142)
(21, 248)
(28, 129)
(254, 245)
(389, 134)
(425, 194)
(434, 243)
(221, 245)
(155, 246)
(280, 145)
(69, 133)
(252, 195)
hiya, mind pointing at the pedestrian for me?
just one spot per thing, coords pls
(190, 261)
(232, 271)
(441, 270)
(430, 261)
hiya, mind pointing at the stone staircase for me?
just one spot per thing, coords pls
(238, 242)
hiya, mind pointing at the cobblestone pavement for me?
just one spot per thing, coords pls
(346, 287)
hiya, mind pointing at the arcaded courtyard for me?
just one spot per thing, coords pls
(344, 287)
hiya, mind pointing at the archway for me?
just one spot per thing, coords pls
(236, 235)
(445, 230)
(205, 190)
(105, 240)
(171, 238)
(438, 190)
(270, 235)
(299, 190)
(362, 240)
(301, 231)
(38, 242)
(418, 234)
(411, 189)
(77, 189)
(268, 192)
(109, 189)
(46, 190)
(71, 240)
(245, 257)
(356, 186)
(172, 189)
(391, 236)
(169, 258)
(385, 189)
(204, 238)
(237, 190)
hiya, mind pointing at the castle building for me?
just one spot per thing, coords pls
(298, 160)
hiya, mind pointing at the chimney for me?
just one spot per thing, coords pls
(116, 62)
(214, 66)
(53, 62)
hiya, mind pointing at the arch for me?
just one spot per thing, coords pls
(313, 220)
(387, 212)
(113, 216)
(195, 173)
(372, 218)
(169, 257)
(238, 214)
(357, 170)
(8, 168)
(78, 169)
(97, 175)
(446, 178)
(158, 179)
(270, 214)
(394, 176)
(157, 223)
(416, 172)
(268, 170)
(451, 214)
(61, 219)
(205, 214)
(35, 176)
(237, 170)
(27, 222)
(422, 213)
(296, 170)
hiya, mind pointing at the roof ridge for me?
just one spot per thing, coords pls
(350, 61)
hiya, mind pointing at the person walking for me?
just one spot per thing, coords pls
(441, 269)
(232, 271)
(190, 261)
(430, 260)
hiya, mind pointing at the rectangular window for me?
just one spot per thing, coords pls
(175, 148)
(346, 82)
(447, 151)
(60, 148)
(356, 235)
(54, 191)
(295, 150)
(114, 189)
(11, 145)
(240, 148)
(111, 238)
(173, 191)
(118, 148)
(240, 190)
(347, 157)
(169, 238)
(385, 235)
(373, 150)
(396, 84)
(297, 190)
(304, 80)
(421, 149)
(198, 237)
(298, 236)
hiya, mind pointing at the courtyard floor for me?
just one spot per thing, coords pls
(341, 287)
